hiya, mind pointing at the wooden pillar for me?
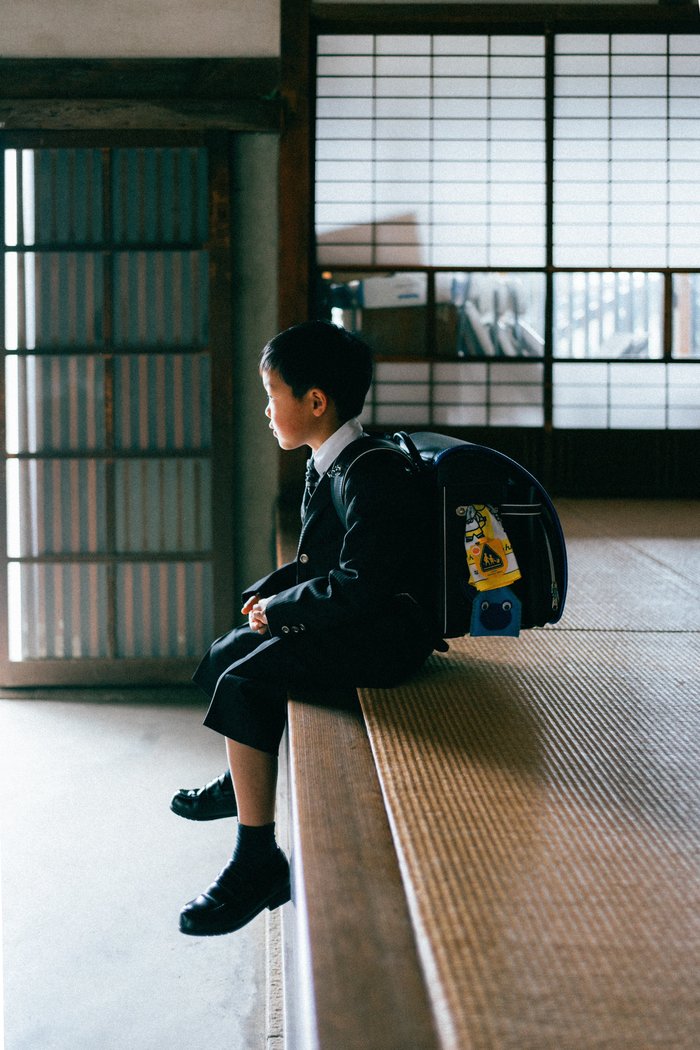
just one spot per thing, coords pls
(295, 262)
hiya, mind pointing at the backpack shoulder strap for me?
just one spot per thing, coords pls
(352, 454)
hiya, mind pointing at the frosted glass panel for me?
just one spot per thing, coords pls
(471, 110)
(644, 418)
(53, 299)
(406, 373)
(398, 415)
(516, 416)
(401, 45)
(163, 505)
(457, 394)
(54, 403)
(62, 611)
(457, 374)
(53, 196)
(56, 507)
(684, 418)
(629, 396)
(460, 415)
(575, 417)
(341, 45)
(160, 298)
(406, 393)
(159, 195)
(460, 393)
(162, 401)
(105, 357)
(631, 146)
(163, 609)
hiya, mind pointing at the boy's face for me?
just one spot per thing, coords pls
(293, 420)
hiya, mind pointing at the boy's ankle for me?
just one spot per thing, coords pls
(255, 844)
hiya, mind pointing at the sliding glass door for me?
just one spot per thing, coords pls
(112, 558)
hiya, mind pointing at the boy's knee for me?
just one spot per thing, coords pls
(222, 654)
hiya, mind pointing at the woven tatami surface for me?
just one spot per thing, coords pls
(542, 794)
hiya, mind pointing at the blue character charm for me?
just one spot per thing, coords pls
(496, 612)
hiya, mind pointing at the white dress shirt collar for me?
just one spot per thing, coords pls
(334, 445)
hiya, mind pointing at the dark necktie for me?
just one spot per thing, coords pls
(312, 480)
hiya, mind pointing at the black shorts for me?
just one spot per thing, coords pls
(248, 676)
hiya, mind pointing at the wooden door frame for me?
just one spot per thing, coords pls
(172, 100)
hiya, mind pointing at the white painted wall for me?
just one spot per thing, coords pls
(139, 28)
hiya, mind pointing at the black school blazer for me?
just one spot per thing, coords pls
(344, 574)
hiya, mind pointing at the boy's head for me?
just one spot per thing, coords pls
(318, 354)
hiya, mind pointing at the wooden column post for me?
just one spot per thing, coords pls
(295, 262)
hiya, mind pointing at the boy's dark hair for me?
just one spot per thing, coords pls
(320, 354)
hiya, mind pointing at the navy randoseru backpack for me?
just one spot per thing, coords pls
(500, 550)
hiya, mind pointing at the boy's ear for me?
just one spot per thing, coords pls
(319, 401)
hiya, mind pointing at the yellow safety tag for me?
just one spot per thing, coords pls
(490, 556)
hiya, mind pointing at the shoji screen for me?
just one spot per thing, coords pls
(431, 150)
(437, 166)
(627, 201)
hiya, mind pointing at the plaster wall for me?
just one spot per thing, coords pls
(134, 29)
(256, 454)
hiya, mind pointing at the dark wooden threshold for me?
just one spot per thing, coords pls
(86, 673)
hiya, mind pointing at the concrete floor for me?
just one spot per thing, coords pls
(95, 869)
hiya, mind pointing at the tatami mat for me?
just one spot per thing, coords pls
(542, 793)
(634, 566)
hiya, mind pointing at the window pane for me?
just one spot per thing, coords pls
(159, 195)
(53, 196)
(162, 401)
(447, 172)
(56, 507)
(686, 315)
(457, 394)
(59, 610)
(163, 608)
(626, 395)
(54, 403)
(387, 309)
(163, 505)
(617, 315)
(161, 298)
(78, 499)
(53, 299)
(490, 315)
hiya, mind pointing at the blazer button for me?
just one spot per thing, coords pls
(295, 629)
(285, 629)
(303, 558)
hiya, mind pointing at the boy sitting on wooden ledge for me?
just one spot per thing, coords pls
(352, 609)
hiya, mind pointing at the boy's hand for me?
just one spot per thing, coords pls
(254, 609)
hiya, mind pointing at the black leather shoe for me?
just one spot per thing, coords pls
(236, 897)
(216, 799)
